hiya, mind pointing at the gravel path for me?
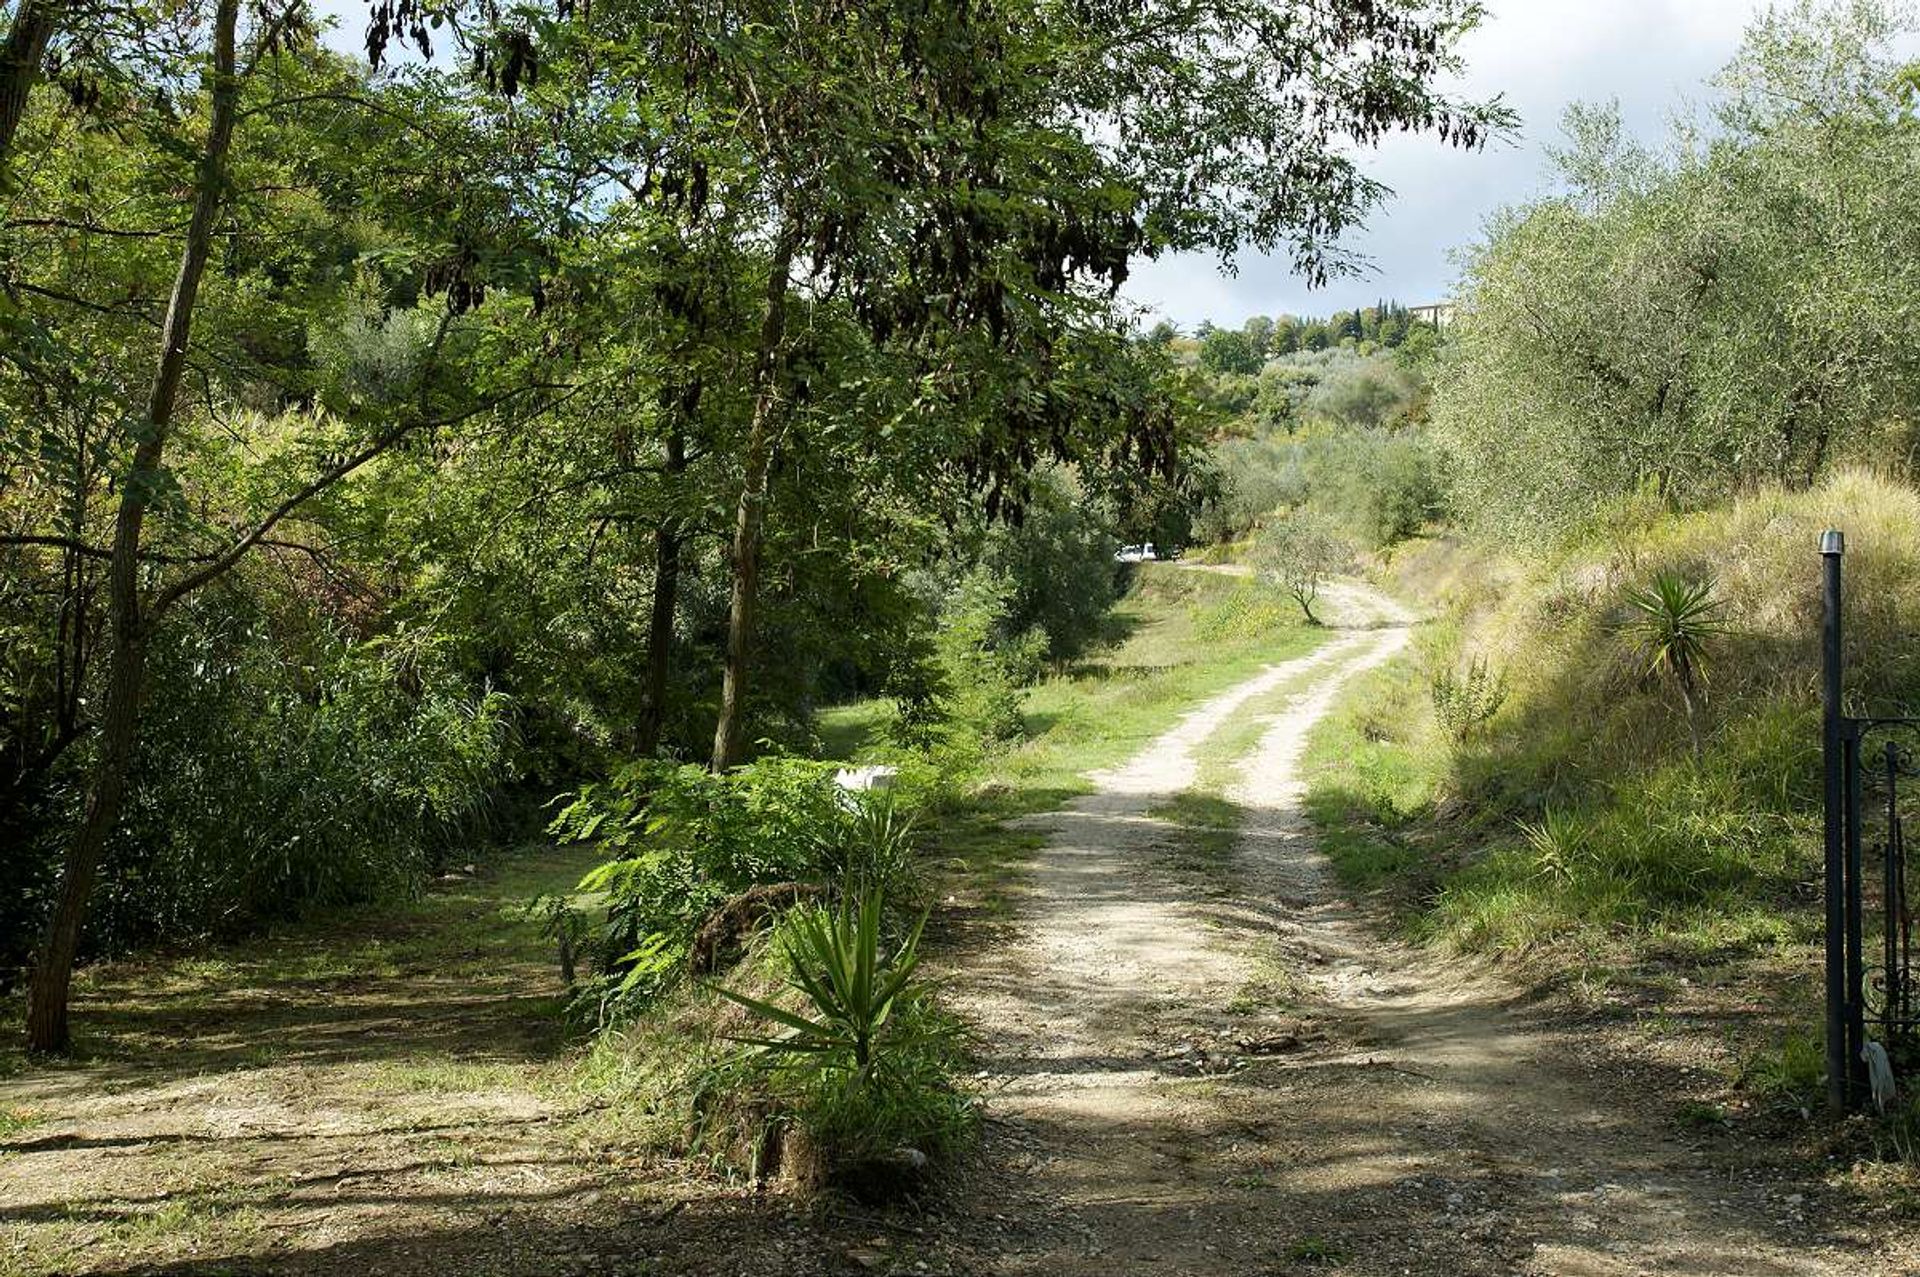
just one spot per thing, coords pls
(1227, 1070)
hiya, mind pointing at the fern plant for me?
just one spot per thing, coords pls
(1671, 621)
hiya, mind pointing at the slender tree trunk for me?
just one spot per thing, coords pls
(666, 589)
(20, 59)
(1690, 702)
(751, 514)
(1304, 596)
(127, 622)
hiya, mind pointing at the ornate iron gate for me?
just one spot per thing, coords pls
(1871, 992)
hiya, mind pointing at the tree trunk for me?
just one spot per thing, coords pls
(1689, 701)
(1304, 596)
(666, 589)
(127, 624)
(750, 515)
(20, 59)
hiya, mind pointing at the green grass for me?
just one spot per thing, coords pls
(1376, 766)
(265, 1000)
(847, 732)
(1189, 639)
(15, 1121)
(1316, 1250)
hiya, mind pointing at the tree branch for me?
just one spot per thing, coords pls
(225, 559)
(58, 543)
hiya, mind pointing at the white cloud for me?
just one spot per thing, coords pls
(1541, 54)
(1652, 55)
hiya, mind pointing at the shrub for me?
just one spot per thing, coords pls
(1670, 622)
(1559, 843)
(863, 1074)
(1465, 703)
(854, 987)
(262, 791)
(961, 685)
(686, 841)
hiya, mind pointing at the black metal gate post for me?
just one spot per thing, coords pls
(1863, 995)
(1856, 1036)
(1833, 745)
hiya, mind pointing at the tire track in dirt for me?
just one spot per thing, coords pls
(1197, 1077)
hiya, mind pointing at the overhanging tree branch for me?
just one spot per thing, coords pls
(225, 559)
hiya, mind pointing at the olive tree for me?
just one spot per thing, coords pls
(1297, 552)
(1687, 321)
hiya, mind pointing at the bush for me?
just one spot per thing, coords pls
(1466, 703)
(862, 1073)
(262, 791)
(686, 842)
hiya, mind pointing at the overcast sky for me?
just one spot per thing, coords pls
(1652, 55)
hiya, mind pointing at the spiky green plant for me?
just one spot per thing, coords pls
(1558, 843)
(853, 987)
(880, 845)
(1671, 621)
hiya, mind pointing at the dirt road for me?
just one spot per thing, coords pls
(1221, 1067)
(1199, 1059)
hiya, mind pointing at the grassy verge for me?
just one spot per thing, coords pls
(1575, 834)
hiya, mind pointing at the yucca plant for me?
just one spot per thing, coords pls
(1671, 621)
(854, 988)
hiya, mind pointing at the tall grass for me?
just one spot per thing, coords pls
(1579, 816)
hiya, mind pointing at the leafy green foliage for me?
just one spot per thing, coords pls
(865, 1070)
(852, 985)
(880, 847)
(684, 841)
(1225, 351)
(1608, 347)
(1670, 621)
(1338, 431)
(562, 922)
